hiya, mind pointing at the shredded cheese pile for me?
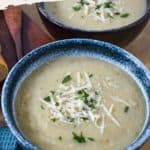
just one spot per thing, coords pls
(101, 10)
(78, 101)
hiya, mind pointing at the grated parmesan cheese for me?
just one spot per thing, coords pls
(100, 10)
(79, 100)
(116, 98)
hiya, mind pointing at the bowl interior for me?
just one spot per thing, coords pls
(74, 47)
(43, 10)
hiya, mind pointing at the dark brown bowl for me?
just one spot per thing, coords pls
(121, 36)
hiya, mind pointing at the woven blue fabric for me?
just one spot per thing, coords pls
(7, 140)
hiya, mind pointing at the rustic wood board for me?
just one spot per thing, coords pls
(139, 47)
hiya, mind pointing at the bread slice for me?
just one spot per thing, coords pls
(3, 67)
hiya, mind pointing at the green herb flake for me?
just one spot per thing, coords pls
(42, 107)
(91, 75)
(47, 98)
(83, 2)
(98, 6)
(76, 8)
(70, 119)
(66, 79)
(126, 109)
(54, 119)
(57, 104)
(108, 4)
(80, 92)
(83, 92)
(91, 139)
(53, 92)
(97, 13)
(79, 138)
(80, 5)
(96, 93)
(124, 15)
(83, 95)
(117, 13)
(85, 118)
(91, 103)
(60, 138)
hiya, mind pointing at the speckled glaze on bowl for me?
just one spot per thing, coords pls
(121, 36)
(67, 48)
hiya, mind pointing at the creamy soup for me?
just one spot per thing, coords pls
(97, 14)
(79, 103)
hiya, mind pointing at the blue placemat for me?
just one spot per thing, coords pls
(7, 140)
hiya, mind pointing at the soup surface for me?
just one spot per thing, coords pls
(79, 103)
(97, 14)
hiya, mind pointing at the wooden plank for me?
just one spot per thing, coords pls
(141, 46)
(30, 40)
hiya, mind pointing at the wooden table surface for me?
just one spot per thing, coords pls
(139, 47)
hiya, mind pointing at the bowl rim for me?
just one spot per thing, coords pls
(4, 102)
(43, 10)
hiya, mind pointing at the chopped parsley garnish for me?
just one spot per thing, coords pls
(91, 75)
(91, 103)
(84, 96)
(66, 79)
(80, 91)
(47, 98)
(83, 92)
(80, 98)
(42, 107)
(57, 104)
(80, 5)
(98, 6)
(96, 93)
(53, 92)
(60, 138)
(117, 13)
(124, 15)
(97, 13)
(85, 118)
(126, 109)
(79, 138)
(108, 4)
(91, 139)
(70, 119)
(54, 119)
(105, 10)
(83, 2)
(76, 8)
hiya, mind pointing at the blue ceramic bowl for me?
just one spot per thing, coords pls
(74, 47)
(117, 36)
